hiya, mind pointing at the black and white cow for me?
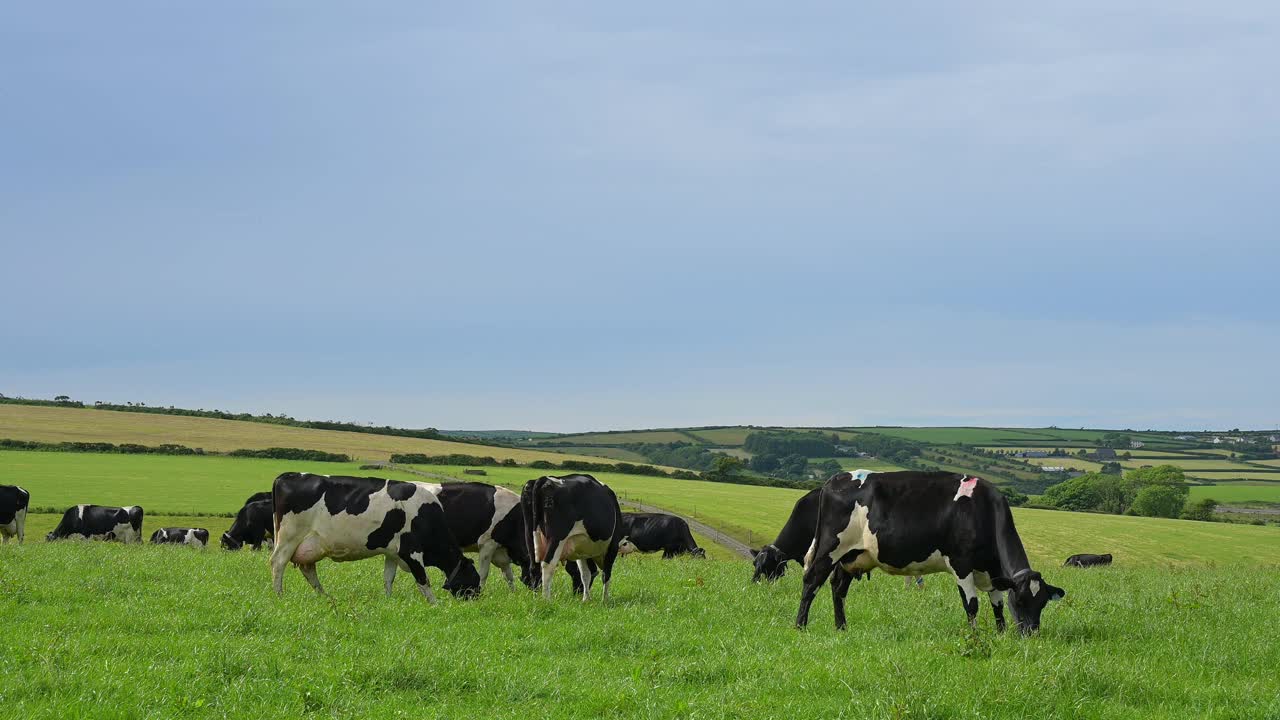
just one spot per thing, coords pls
(572, 518)
(916, 523)
(195, 537)
(352, 518)
(654, 532)
(98, 522)
(253, 525)
(487, 520)
(13, 512)
(793, 541)
(1084, 560)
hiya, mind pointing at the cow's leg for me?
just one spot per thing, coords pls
(997, 608)
(309, 572)
(280, 556)
(420, 576)
(969, 596)
(606, 569)
(511, 578)
(840, 581)
(389, 574)
(817, 566)
(587, 577)
(483, 560)
(549, 566)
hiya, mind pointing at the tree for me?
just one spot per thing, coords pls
(1201, 510)
(764, 462)
(726, 468)
(1014, 497)
(1115, 440)
(1076, 494)
(826, 468)
(1159, 501)
(1112, 468)
(62, 398)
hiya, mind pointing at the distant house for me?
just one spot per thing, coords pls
(1103, 454)
(1135, 444)
(1053, 469)
(1185, 437)
(1274, 438)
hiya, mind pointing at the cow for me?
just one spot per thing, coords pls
(253, 525)
(651, 532)
(195, 537)
(916, 523)
(770, 561)
(574, 517)
(352, 518)
(13, 512)
(487, 520)
(98, 522)
(1085, 560)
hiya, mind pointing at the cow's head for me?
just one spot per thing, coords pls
(1028, 594)
(626, 547)
(50, 537)
(231, 543)
(769, 562)
(531, 575)
(464, 581)
(698, 552)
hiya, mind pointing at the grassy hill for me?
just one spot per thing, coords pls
(59, 424)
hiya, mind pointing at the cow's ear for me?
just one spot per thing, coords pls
(754, 552)
(1055, 593)
(1001, 583)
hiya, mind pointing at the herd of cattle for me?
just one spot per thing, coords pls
(902, 523)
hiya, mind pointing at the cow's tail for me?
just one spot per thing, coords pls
(817, 525)
(277, 501)
(532, 515)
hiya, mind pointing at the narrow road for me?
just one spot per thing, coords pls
(701, 528)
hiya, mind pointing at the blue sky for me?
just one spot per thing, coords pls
(588, 216)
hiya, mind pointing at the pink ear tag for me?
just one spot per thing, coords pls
(966, 488)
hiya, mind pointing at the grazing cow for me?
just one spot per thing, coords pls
(487, 520)
(195, 537)
(13, 512)
(574, 517)
(98, 522)
(253, 524)
(793, 542)
(1085, 560)
(352, 518)
(916, 523)
(651, 532)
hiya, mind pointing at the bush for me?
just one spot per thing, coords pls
(1201, 510)
(292, 454)
(1160, 501)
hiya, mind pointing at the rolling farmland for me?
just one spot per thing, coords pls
(53, 424)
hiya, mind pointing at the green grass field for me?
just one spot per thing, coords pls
(98, 630)
(1241, 492)
(1243, 474)
(725, 436)
(623, 438)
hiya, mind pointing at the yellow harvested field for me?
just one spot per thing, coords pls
(1067, 462)
(52, 424)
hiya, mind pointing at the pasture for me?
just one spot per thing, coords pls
(1241, 492)
(107, 631)
(191, 485)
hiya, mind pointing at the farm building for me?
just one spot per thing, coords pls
(1135, 444)
(1103, 454)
